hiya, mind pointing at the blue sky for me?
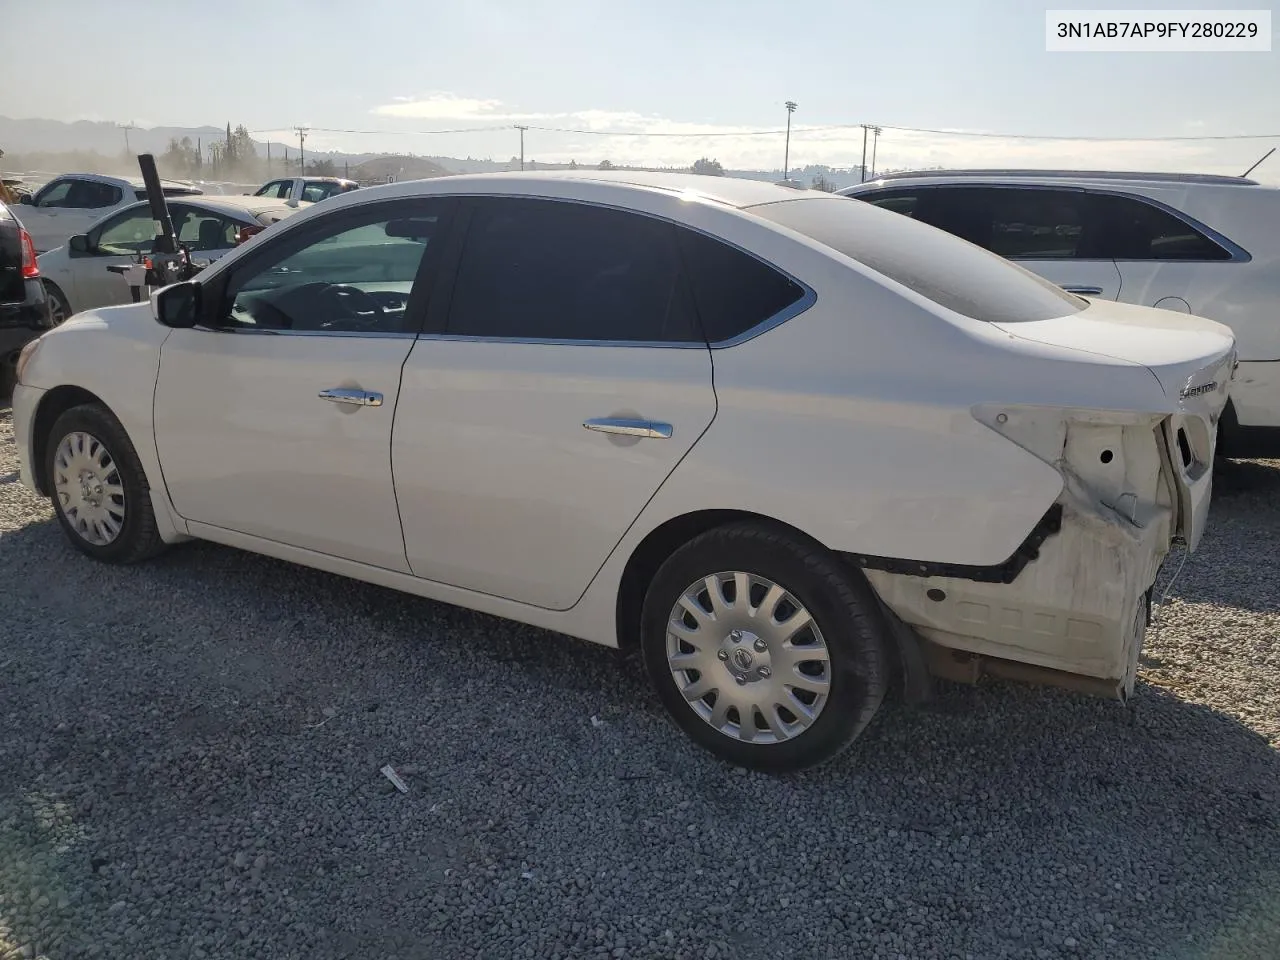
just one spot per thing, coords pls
(661, 66)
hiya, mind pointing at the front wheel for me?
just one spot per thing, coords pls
(764, 649)
(98, 487)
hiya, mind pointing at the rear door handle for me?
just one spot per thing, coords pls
(649, 429)
(360, 398)
(1082, 291)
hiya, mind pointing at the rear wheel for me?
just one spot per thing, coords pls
(98, 488)
(764, 649)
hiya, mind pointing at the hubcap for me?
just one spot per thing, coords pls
(89, 489)
(748, 657)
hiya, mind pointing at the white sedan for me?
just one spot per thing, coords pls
(76, 274)
(793, 447)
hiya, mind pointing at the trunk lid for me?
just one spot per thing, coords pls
(1181, 350)
(1191, 357)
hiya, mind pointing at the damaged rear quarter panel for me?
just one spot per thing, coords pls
(1079, 607)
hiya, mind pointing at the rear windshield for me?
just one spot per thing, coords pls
(949, 271)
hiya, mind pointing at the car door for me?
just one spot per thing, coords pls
(273, 418)
(42, 217)
(117, 240)
(1165, 259)
(542, 412)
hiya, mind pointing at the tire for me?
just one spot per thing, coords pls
(849, 626)
(59, 305)
(100, 448)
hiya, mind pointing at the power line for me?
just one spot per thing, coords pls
(796, 130)
(415, 133)
(1098, 139)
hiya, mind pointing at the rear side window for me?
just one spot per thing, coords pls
(91, 195)
(956, 275)
(557, 270)
(734, 292)
(1136, 230)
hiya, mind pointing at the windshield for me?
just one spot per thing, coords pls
(949, 271)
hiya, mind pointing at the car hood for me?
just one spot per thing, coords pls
(1192, 358)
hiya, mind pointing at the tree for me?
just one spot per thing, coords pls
(820, 182)
(573, 164)
(181, 158)
(605, 165)
(322, 168)
(709, 168)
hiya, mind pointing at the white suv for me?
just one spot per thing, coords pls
(1208, 245)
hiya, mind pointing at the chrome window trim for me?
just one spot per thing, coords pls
(1237, 253)
(804, 302)
(364, 334)
(806, 299)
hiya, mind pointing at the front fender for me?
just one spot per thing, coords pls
(112, 354)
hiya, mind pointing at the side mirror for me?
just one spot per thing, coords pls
(79, 243)
(27, 199)
(177, 306)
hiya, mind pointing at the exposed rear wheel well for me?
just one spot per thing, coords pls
(653, 551)
(53, 405)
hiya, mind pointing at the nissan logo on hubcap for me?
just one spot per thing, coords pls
(742, 658)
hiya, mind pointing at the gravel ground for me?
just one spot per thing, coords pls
(189, 757)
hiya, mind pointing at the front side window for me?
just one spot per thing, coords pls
(127, 234)
(55, 194)
(557, 270)
(356, 276)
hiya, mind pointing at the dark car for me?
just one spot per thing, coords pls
(24, 308)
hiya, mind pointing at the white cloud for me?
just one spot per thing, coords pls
(439, 106)
(627, 137)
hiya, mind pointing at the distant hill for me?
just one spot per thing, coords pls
(55, 136)
(98, 147)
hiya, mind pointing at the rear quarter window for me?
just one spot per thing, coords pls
(951, 272)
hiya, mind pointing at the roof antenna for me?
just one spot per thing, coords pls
(1259, 163)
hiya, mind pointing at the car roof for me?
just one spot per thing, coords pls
(233, 204)
(1049, 176)
(137, 183)
(734, 192)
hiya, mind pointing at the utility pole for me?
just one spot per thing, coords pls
(522, 128)
(302, 150)
(126, 127)
(268, 159)
(786, 154)
(862, 171)
(875, 140)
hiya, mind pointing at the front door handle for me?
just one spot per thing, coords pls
(1082, 291)
(360, 398)
(649, 429)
